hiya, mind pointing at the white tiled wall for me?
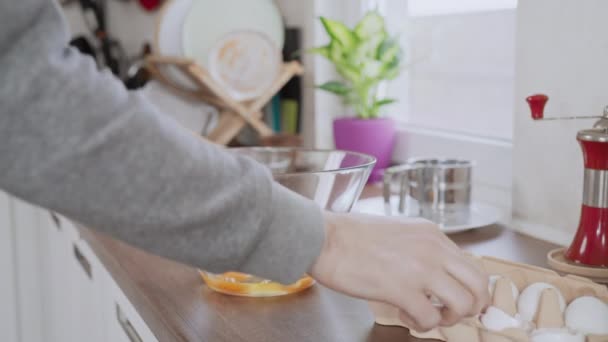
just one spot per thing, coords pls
(562, 50)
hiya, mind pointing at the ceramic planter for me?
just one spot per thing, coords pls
(375, 137)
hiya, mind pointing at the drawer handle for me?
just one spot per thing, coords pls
(127, 326)
(82, 260)
(56, 220)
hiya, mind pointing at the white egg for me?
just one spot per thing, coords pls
(555, 335)
(497, 320)
(587, 315)
(492, 286)
(527, 304)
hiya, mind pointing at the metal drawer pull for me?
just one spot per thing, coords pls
(127, 326)
(56, 220)
(82, 260)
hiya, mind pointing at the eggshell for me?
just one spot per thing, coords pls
(497, 320)
(587, 315)
(555, 335)
(492, 285)
(527, 304)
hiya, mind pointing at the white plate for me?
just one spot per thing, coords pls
(169, 38)
(245, 63)
(209, 20)
(170, 26)
(482, 214)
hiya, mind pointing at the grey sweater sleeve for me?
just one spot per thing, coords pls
(73, 140)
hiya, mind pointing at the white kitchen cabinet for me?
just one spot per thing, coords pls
(85, 306)
(8, 303)
(55, 289)
(124, 324)
(55, 273)
(94, 301)
(28, 245)
(73, 293)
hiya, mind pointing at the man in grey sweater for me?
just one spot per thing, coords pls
(73, 140)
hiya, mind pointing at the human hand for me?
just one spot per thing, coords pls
(403, 262)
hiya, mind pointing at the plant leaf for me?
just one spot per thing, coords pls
(350, 73)
(391, 70)
(365, 51)
(388, 50)
(384, 102)
(335, 87)
(340, 33)
(336, 54)
(372, 24)
(321, 50)
(372, 69)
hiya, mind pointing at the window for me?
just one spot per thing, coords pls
(462, 62)
(457, 94)
(438, 7)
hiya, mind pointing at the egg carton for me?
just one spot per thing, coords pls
(548, 314)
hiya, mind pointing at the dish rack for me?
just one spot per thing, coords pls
(471, 329)
(234, 115)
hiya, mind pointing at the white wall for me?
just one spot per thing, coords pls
(127, 21)
(562, 50)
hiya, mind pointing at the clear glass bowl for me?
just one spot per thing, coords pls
(333, 179)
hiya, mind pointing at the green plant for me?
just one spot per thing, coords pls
(364, 56)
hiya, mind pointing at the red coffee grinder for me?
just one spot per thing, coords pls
(588, 253)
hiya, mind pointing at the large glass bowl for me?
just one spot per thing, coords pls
(333, 179)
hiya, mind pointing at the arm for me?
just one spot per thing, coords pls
(72, 139)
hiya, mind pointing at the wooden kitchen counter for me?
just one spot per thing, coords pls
(177, 306)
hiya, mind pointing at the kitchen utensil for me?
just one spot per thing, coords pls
(208, 91)
(210, 20)
(193, 115)
(441, 187)
(212, 93)
(150, 5)
(472, 330)
(168, 41)
(589, 248)
(482, 215)
(245, 63)
(112, 54)
(333, 179)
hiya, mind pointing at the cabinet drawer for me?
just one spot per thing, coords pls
(124, 323)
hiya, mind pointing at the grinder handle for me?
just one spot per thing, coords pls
(537, 104)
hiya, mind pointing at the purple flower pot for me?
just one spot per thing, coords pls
(375, 137)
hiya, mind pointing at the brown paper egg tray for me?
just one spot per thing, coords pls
(522, 275)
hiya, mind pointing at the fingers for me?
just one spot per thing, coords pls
(473, 279)
(418, 312)
(456, 299)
